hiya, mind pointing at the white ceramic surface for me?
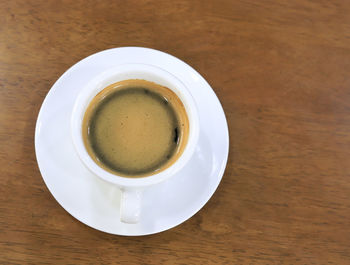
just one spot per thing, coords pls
(95, 202)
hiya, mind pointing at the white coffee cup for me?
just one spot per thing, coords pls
(132, 188)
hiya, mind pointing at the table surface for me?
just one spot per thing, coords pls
(281, 70)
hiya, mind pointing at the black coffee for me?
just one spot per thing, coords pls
(135, 128)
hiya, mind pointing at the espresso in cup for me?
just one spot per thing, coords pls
(135, 128)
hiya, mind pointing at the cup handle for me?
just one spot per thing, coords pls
(130, 205)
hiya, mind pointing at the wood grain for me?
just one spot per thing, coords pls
(282, 72)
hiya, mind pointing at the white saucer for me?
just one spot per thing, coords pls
(96, 203)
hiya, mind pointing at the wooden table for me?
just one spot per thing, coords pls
(282, 72)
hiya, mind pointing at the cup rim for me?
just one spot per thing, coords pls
(116, 73)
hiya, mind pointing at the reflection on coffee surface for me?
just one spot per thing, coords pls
(135, 128)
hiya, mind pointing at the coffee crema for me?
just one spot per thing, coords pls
(135, 128)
